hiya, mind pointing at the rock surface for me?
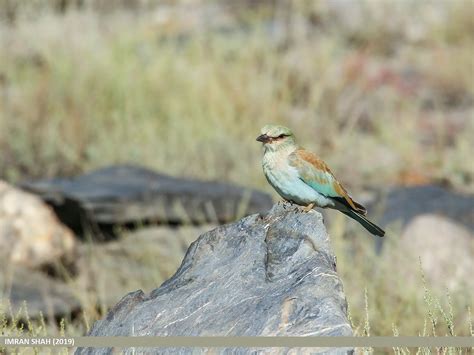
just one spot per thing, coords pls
(43, 295)
(121, 195)
(30, 233)
(263, 275)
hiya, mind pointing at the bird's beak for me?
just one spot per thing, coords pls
(263, 138)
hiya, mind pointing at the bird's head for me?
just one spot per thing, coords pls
(275, 137)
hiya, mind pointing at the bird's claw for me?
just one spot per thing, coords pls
(308, 208)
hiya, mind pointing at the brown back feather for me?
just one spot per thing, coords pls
(321, 165)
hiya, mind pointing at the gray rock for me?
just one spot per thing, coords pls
(121, 195)
(402, 204)
(41, 294)
(271, 275)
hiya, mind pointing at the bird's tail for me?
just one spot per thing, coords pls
(371, 227)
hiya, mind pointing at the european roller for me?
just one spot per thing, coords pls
(300, 177)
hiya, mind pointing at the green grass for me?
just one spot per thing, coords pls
(131, 89)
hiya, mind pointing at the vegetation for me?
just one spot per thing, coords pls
(84, 90)
(385, 97)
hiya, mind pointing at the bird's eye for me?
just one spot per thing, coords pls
(281, 135)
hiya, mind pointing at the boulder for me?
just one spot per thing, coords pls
(265, 275)
(444, 248)
(30, 233)
(130, 195)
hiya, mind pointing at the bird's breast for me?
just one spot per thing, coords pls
(286, 181)
(283, 177)
(275, 166)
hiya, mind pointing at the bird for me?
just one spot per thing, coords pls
(301, 177)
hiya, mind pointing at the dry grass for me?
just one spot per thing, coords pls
(383, 303)
(130, 89)
(384, 101)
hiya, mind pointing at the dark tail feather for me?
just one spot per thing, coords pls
(371, 227)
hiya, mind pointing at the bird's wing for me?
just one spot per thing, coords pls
(315, 173)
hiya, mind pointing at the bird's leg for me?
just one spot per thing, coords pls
(309, 207)
(285, 204)
(295, 206)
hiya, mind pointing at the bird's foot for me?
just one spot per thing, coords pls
(294, 207)
(287, 204)
(308, 208)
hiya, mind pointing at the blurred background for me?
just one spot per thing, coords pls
(383, 91)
